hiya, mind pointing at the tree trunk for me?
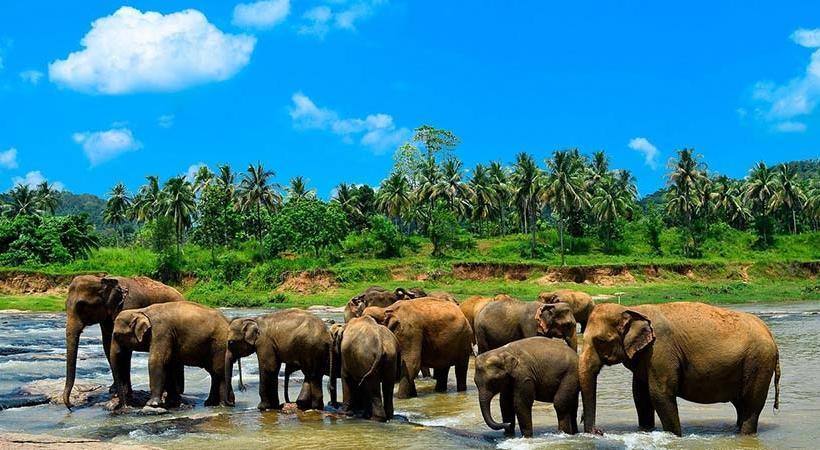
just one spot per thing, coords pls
(561, 238)
(794, 221)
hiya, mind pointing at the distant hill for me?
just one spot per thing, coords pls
(90, 204)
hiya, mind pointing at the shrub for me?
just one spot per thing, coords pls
(169, 267)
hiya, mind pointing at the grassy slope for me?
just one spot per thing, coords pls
(769, 272)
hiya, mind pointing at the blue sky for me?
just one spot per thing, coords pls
(328, 88)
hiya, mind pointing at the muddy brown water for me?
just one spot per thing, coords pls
(32, 348)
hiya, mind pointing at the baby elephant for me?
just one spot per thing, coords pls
(293, 337)
(556, 320)
(536, 368)
(175, 335)
(370, 366)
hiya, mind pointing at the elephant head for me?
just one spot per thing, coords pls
(132, 329)
(378, 314)
(555, 320)
(242, 337)
(409, 294)
(91, 300)
(494, 374)
(614, 335)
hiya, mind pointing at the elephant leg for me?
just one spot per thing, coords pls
(289, 369)
(665, 404)
(375, 396)
(158, 361)
(411, 361)
(121, 368)
(425, 372)
(753, 401)
(172, 388)
(303, 400)
(441, 375)
(348, 392)
(107, 330)
(461, 373)
(643, 404)
(565, 403)
(524, 397)
(388, 380)
(216, 389)
(507, 401)
(268, 382)
(317, 400)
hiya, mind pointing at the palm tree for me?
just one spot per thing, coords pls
(179, 204)
(599, 168)
(451, 188)
(298, 190)
(428, 178)
(23, 201)
(686, 176)
(226, 181)
(813, 201)
(612, 201)
(483, 198)
(257, 193)
(564, 190)
(48, 196)
(728, 201)
(146, 203)
(527, 185)
(394, 197)
(202, 179)
(117, 208)
(789, 194)
(500, 184)
(759, 191)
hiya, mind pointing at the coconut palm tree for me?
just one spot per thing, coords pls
(527, 182)
(564, 189)
(257, 193)
(428, 178)
(146, 203)
(117, 208)
(452, 189)
(686, 176)
(394, 197)
(599, 168)
(297, 190)
(226, 181)
(759, 191)
(813, 201)
(23, 201)
(611, 202)
(500, 184)
(728, 201)
(48, 196)
(483, 195)
(179, 203)
(202, 179)
(789, 194)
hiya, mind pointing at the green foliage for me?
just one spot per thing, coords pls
(445, 232)
(653, 223)
(307, 225)
(28, 240)
(382, 239)
(169, 266)
(220, 223)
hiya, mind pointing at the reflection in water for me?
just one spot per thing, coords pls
(32, 348)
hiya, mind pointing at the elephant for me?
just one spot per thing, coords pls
(503, 321)
(555, 320)
(291, 336)
(580, 302)
(92, 299)
(431, 333)
(369, 356)
(532, 369)
(698, 352)
(446, 296)
(378, 296)
(175, 335)
(473, 305)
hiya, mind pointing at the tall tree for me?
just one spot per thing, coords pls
(564, 190)
(298, 190)
(117, 208)
(452, 189)
(683, 199)
(483, 195)
(202, 179)
(146, 204)
(502, 192)
(48, 197)
(611, 202)
(226, 180)
(435, 140)
(22, 201)
(394, 197)
(179, 204)
(789, 194)
(759, 191)
(256, 192)
(527, 185)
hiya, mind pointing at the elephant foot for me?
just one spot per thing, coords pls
(172, 402)
(154, 402)
(112, 389)
(211, 402)
(265, 406)
(509, 432)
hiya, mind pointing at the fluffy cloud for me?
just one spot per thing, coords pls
(377, 131)
(101, 146)
(131, 51)
(33, 179)
(649, 151)
(166, 120)
(798, 96)
(31, 76)
(261, 15)
(8, 158)
(320, 20)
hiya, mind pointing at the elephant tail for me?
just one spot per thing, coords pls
(372, 368)
(777, 384)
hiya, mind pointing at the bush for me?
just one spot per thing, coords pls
(308, 224)
(381, 239)
(446, 233)
(35, 240)
(169, 267)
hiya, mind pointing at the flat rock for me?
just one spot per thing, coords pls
(83, 394)
(27, 441)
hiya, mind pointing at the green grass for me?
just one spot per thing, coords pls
(44, 303)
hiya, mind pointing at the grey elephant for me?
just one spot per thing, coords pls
(379, 296)
(690, 350)
(370, 362)
(175, 335)
(97, 300)
(291, 337)
(522, 372)
(580, 302)
(503, 321)
(555, 320)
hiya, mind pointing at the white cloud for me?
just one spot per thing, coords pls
(31, 76)
(261, 15)
(33, 179)
(190, 174)
(649, 151)
(132, 51)
(101, 146)
(790, 127)
(377, 131)
(320, 20)
(8, 158)
(166, 120)
(797, 97)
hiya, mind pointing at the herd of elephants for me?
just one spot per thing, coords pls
(526, 351)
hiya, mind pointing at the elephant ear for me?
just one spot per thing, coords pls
(140, 325)
(637, 332)
(250, 331)
(543, 326)
(391, 321)
(114, 293)
(401, 294)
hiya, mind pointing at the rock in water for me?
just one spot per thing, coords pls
(83, 394)
(29, 441)
(21, 401)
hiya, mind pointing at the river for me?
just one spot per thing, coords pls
(32, 348)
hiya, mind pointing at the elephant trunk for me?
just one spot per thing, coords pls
(73, 329)
(484, 398)
(589, 367)
(229, 360)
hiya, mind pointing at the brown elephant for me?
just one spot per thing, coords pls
(555, 320)
(378, 296)
(473, 305)
(431, 333)
(525, 371)
(369, 358)
(293, 337)
(698, 352)
(580, 302)
(503, 321)
(92, 299)
(175, 335)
